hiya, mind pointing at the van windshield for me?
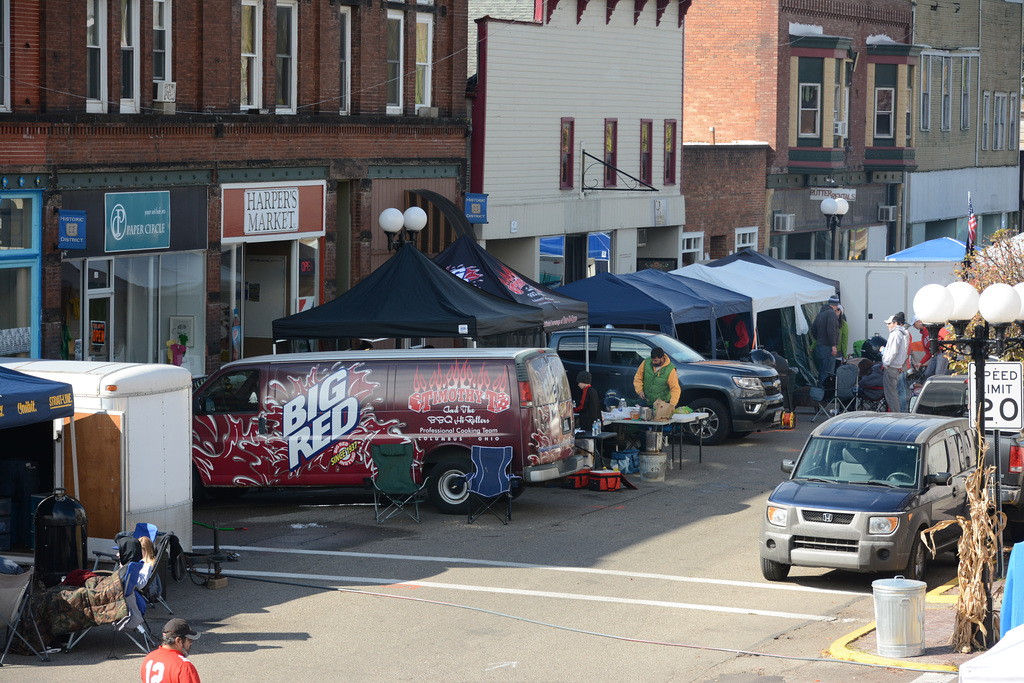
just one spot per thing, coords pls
(851, 461)
(677, 350)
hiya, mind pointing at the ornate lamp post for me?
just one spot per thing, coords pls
(834, 210)
(402, 228)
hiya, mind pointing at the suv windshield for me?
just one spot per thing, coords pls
(850, 461)
(677, 350)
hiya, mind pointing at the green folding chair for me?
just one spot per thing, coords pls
(394, 489)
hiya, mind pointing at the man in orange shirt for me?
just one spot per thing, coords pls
(169, 662)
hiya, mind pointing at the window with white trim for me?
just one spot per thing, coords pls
(96, 56)
(5, 55)
(424, 58)
(884, 112)
(287, 63)
(1011, 122)
(986, 104)
(746, 238)
(162, 70)
(926, 93)
(130, 56)
(946, 118)
(395, 49)
(810, 110)
(345, 67)
(965, 93)
(910, 106)
(252, 47)
(999, 121)
(691, 248)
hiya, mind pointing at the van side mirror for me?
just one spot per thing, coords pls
(938, 479)
(788, 465)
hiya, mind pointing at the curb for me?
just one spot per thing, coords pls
(840, 648)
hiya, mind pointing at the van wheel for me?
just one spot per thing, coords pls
(446, 485)
(716, 426)
(774, 571)
(918, 563)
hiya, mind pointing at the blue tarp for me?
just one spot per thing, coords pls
(941, 249)
(25, 399)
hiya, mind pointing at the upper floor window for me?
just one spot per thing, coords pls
(884, 112)
(947, 94)
(646, 166)
(252, 47)
(1011, 122)
(129, 56)
(162, 40)
(565, 161)
(926, 93)
(670, 152)
(986, 105)
(909, 131)
(611, 152)
(810, 110)
(344, 70)
(746, 238)
(5, 55)
(287, 39)
(965, 93)
(395, 33)
(424, 58)
(999, 121)
(96, 56)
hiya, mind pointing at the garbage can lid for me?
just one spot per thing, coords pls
(898, 584)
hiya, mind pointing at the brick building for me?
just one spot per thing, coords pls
(178, 167)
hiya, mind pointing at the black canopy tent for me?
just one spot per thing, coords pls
(472, 263)
(411, 296)
(28, 406)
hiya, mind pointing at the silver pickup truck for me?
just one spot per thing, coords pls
(947, 395)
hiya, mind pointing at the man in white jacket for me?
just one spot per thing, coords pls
(894, 361)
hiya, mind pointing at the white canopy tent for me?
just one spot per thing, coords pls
(768, 288)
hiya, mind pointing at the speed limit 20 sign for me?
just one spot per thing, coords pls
(1004, 395)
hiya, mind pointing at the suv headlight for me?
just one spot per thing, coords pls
(777, 516)
(749, 384)
(882, 525)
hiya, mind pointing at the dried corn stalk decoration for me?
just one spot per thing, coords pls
(978, 547)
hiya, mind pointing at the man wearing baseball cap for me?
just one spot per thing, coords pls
(894, 361)
(169, 662)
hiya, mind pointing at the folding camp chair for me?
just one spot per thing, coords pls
(154, 590)
(823, 398)
(393, 483)
(15, 604)
(490, 482)
(845, 398)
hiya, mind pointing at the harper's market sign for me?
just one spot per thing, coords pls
(847, 193)
(270, 210)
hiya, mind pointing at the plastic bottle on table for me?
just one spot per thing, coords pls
(596, 428)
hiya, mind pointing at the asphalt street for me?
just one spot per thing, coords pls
(660, 583)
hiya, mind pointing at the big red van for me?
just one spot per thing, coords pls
(308, 419)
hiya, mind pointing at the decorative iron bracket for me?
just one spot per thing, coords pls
(631, 183)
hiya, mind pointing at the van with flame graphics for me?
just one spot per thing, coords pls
(309, 419)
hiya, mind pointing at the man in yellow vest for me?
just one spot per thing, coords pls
(656, 379)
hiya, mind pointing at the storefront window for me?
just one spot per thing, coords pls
(231, 302)
(71, 310)
(16, 223)
(134, 332)
(309, 278)
(182, 306)
(15, 312)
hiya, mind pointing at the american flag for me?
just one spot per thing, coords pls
(972, 225)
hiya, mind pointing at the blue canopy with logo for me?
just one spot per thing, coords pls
(25, 399)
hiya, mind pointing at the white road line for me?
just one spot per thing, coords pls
(529, 593)
(523, 565)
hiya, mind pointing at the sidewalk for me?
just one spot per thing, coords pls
(939, 620)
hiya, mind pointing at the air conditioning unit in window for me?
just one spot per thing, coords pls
(784, 222)
(164, 91)
(641, 237)
(886, 214)
(427, 112)
(839, 128)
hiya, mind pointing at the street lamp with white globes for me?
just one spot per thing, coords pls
(834, 210)
(402, 228)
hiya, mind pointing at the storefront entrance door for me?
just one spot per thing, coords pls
(266, 300)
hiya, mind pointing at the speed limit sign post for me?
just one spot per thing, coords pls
(1004, 395)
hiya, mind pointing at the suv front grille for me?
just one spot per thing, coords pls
(839, 545)
(826, 517)
(772, 387)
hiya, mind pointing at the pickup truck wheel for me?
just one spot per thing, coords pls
(774, 571)
(446, 485)
(918, 563)
(716, 427)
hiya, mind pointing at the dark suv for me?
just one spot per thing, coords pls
(740, 397)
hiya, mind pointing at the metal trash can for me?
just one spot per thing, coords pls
(61, 537)
(899, 616)
(653, 440)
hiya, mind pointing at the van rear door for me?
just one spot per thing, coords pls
(551, 438)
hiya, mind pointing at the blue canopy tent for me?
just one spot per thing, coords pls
(695, 301)
(25, 399)
(940, 249)
(611, 300)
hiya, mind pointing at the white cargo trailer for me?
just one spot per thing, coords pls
(131, 457)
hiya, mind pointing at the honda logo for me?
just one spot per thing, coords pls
(826, 516)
